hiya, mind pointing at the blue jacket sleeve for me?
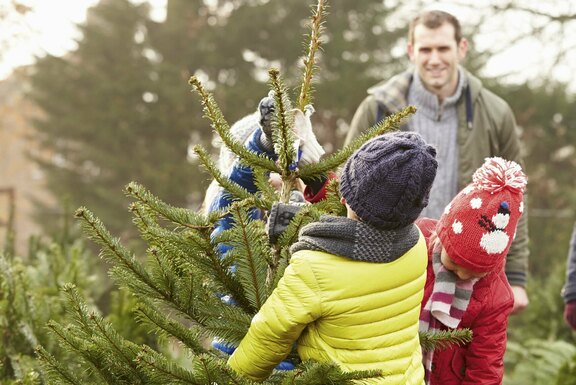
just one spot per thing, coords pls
(570, 287)
(244, 176)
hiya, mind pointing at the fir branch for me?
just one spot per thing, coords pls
(217, 371)
(178, 269)
(55, 371)
(141, 219)
(79, 345)
(199, 240)
(212, 112)
(188, 290)
(218, 277)
(106, 339)
(283, 123)
(162, 371)
(194, 295)
(167, 260)
(192, 299)
(180, 216)
(127, 269)
(250, 250)
(27, 331)
(144, 217)
(228, 322)
(231, 187)
(117, 347)
(281, 265)
(162, 270)
(267, 194)
(317, 28)
(165, 326)
(335, 160)
(127, 280)
(191, 250)
(78, 309)
(315, 373)
(28, 311)
(443, 339)
(206, 369)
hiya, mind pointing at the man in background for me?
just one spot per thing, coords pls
(456, 114)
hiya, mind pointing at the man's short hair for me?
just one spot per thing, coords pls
(435, 19)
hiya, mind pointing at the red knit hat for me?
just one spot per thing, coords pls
(478, 226)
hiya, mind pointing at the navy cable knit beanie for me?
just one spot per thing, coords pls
(387, 181)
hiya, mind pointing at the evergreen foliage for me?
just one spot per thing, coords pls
(31, 300)
(567, 373)
(539, 361)
(443, 339)
(545, 300)
(31, 296)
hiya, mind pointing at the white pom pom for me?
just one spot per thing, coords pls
(497, 174)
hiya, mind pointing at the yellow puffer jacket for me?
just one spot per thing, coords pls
(360, 315)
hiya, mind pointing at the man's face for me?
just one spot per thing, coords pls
(436, 55)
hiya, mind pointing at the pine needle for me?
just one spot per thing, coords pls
(443, 339)
(214, 114)
(317, 28)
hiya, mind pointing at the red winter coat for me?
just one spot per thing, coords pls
(481, 362)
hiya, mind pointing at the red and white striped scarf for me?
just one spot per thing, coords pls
(447, 303)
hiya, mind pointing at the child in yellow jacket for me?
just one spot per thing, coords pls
(351, 294)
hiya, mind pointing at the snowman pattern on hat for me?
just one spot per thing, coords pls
(495, 240)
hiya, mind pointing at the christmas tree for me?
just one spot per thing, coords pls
(180, 282)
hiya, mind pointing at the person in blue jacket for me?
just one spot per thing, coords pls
(257, 129)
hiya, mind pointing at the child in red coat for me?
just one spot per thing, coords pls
(466, 286)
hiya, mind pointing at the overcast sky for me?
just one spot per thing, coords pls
(51, 28)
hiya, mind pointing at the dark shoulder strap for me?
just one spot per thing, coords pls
(382, 113)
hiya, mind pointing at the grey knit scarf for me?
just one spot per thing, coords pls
(438, 124)
(356, 240)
